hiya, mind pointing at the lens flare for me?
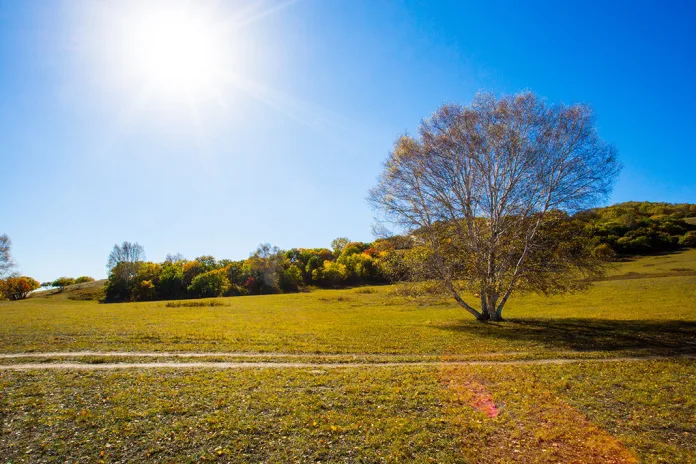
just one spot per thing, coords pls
(175, 52)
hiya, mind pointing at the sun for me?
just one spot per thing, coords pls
(179, 63)
(173, 51)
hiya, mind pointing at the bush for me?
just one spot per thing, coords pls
(688, 240)
(84, 279)
(604, 252)
(63, 282)
(193, 304)
(291, 279)
(331, 274)
(18, 288)
(209, 284)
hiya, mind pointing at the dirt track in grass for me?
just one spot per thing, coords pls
(214, 354)
(296, 365)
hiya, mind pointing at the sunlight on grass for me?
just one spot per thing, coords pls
(589, 411)
(650, 314)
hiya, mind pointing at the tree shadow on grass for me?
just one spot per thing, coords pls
(658, 337)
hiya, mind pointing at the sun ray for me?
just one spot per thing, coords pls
(257, 15)
(308, 114)
(186, 61)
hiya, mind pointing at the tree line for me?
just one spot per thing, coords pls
(621, 230)
(641, 228)
(270, 270)
(625, 229)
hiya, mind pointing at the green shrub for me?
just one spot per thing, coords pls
(63, 282)
(209, 284)
(603, 251)
(688, 239)
(193, 304)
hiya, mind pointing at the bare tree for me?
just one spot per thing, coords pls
(124, 263)
(126, 253)
(173, 258)
(7, 264)
(338, 244)
(266, 265)
(486, 190)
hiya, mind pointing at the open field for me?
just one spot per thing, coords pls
(366, 376)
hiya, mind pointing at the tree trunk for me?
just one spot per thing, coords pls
(489, 303)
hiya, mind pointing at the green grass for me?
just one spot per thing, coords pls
(547, 414)
(269, 415)
(636, 314)
(588, 411)
(664, 265)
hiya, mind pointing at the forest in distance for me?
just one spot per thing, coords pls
(613, 232)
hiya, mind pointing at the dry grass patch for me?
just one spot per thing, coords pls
(537, 427)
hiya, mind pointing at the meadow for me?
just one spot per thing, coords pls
(357, 375)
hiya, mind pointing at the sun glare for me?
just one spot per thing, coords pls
(174, 52)
(181, 61)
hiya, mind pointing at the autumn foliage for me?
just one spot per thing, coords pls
(18, 288)
(270, 270)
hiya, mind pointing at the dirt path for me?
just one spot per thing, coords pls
(242, 354)
(308, 365)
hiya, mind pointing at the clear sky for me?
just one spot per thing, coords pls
(269, 121)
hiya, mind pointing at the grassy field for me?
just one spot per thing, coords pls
(349, 402)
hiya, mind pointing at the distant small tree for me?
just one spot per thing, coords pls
(331, 273)
(235, 272)
(148, 279)
(209, 284)
(190, 270)
(688, 239)
(208, 262)
(84, 279)
(338, 244)
(121, 285)
(123, 265)
(174, 258)
(6, 262)
(265, 267)
(127, 252)
(291, 278)
(62, 282)
(18, 288)
(171, 281)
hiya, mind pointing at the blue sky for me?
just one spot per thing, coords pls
(286, 153)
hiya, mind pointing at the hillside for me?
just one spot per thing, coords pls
(642, 228)
(85, 291)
